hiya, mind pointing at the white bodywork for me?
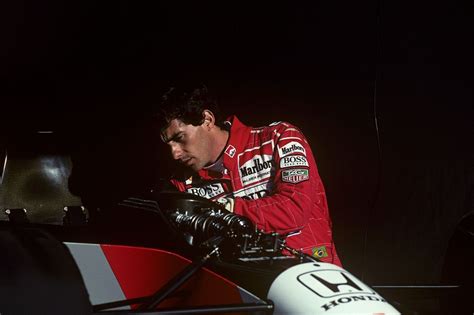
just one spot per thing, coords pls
(321, 288)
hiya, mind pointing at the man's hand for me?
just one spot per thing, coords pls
(227, 203)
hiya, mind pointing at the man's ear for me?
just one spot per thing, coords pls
(209, 119)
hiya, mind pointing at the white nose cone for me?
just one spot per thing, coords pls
(321, 288)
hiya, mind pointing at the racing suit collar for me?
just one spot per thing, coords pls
(238, 138)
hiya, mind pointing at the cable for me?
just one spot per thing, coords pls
(378, 182)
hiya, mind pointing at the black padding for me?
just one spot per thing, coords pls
(17, 216)
(74, 215)
(458, 267)
(36, 176)
(38, 275)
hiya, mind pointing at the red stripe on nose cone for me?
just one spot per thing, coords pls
(142, 271)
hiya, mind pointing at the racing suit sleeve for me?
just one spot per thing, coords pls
(297, 195)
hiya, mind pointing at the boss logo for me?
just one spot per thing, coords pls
(291, 147)
(293, 160)
(208, 191)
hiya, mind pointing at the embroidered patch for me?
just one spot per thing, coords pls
(256, 164)
(295, 176)
(290, 148)
(320, 252)
(207, 191)
(230, 150)
(293, 160)
(256, 169)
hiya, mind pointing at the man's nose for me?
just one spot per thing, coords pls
(176, 151)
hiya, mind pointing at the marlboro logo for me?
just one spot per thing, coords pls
(258, 168)
(291, 148)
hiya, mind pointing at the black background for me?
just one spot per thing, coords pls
(93, 71)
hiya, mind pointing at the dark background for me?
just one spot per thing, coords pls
(93, 71)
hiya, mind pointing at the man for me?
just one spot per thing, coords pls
(267, 174)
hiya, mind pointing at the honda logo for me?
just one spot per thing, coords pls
(331, 283)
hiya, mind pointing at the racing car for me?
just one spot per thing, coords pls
(161, 252)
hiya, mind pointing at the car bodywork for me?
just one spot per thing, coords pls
(167, 253)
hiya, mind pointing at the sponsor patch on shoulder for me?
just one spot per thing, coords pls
(295, 176)
(293, 160)
(290, 148)
(230, 150)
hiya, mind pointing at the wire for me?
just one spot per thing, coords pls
(5, 160)
(378, 182)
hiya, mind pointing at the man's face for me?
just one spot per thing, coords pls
(190, 145)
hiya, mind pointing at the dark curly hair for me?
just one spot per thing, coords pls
(186, 105)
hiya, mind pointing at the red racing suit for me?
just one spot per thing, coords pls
(272, 175)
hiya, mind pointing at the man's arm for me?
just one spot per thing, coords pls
(298, 193)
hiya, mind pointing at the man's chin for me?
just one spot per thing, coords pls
(194, 166)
